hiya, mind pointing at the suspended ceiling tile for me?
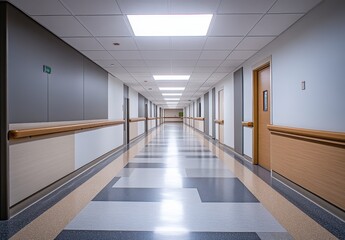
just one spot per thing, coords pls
(108, 63)
(143, 6)
(226, 70)
(187, 43)
(132, 63)
(137, 69)
(125, 43)
(126, 55)
(241, 55)
(160, 70)
(233, 25)
(87, 43)
(293, 6)
(158, 63)
(204, 69)
(92, 7)
(156, 55)
(214, 55)
(222, 43)
(193, 6)
(182, 70)
(217, 76)
(63, 26)
(41, 7)
(209, 63)
(184, 63)
(153, 43)
(245, 6)
(274, 24)
(186, 55)
(199, 76)
(254, 43)
(105, 26)
(98, 55)
(231, 63)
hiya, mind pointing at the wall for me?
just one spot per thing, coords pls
(71, 92)
(115, 98)
(133, 103)
(312, 51)
(172, 113)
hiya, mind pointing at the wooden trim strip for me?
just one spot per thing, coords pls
(248, 124)
(151, 118)
(199, 118)
(220, 122)
(137, 119)
(309, 133)
(32, 132)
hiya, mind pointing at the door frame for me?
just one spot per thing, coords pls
(256, 69)
(218, 117)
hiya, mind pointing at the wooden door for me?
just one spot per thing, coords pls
(263, 110)
(221, 115)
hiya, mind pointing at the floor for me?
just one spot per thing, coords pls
(173, 184)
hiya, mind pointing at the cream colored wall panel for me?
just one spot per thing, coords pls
(36, 163)
(141, 127)
(133, 130)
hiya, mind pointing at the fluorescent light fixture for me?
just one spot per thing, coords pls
(171, 94)
(171, 88)
(171, 77)
(171, 99)
(170, 25)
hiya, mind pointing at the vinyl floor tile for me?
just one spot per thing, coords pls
(151, 216)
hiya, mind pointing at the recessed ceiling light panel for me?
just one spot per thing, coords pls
(171, 99)
(171, 88)
(171, 94)
(170, 25)
(171, 77)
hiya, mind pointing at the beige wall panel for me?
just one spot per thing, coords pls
(36, 163)
(133, 130)
(317, 167)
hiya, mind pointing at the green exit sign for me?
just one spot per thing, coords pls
(47, 69)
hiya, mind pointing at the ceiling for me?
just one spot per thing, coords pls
(239, 29)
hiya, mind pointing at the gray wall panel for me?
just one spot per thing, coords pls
(141, 105)
(206, 114)
(66, 85)
(95, 91)
(73, 90)
(238, 110)
(28, 88)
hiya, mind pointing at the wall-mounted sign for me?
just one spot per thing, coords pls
(265, 98)
(47, 69)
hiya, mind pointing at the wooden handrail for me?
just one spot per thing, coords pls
(151, 118)
(248, 124)
(172, 117)
(137, 119)
(32, 132)
(220, 122)
(199, 118)
(318, 134)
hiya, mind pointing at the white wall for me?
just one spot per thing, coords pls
(312, 50)
(92, 144)
(227, 84)
(133, 103)
(210, 112)
(115, 98)
(202, 106)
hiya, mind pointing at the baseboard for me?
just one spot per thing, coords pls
(337, 212)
